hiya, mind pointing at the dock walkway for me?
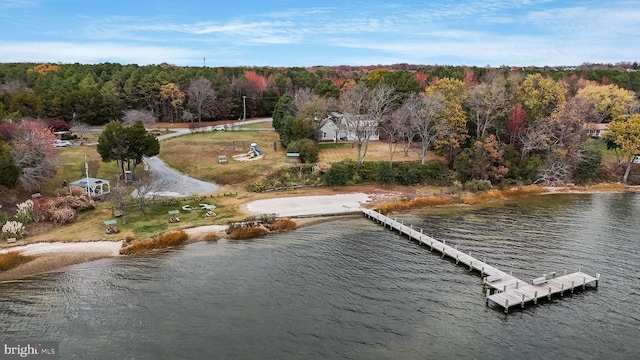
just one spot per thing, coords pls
(502, 289)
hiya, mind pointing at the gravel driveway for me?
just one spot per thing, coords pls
(175, 183)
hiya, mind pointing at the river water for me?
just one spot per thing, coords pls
(349, 289)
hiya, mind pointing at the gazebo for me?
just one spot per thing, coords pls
(95, 187)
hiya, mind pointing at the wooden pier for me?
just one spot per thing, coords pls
(502, 289)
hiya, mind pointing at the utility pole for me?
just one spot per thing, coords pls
(244, 108)
(204, 62)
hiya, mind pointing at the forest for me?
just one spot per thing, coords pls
(97, 94)
(495, 125)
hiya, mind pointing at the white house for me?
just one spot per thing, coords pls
(329, 131)
(338, 127)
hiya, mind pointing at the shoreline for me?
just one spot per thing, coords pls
(304, 210)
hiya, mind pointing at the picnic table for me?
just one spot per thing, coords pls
(111, 229)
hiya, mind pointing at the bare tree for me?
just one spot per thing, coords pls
(381, 100)
(363, 109)
(353, 103)
(423, 124)
(119, 195)
(146, 189)
(488, 102)
(14, 86)
(398, 126)
(201, 97)
(81, 129)
(302, 97)
(131, 116)
(559, 138)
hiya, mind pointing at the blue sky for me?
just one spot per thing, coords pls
(307, 33)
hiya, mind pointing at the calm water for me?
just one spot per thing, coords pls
(350, 289)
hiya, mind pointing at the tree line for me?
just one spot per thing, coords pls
(97, 94)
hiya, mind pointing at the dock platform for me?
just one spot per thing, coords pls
(502, 289)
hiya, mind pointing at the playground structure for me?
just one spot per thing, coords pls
(254, 154)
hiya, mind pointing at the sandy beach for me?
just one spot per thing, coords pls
(309, 205)
(51, 256)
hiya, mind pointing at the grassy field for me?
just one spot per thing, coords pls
(197, 156)
(71, 166)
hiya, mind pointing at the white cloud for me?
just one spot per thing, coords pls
(69, 52)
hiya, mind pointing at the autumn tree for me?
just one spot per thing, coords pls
(540, 96)
(451, 123)
(201, 97)
(170, 93)
(483, 161)
(315, 110)
(560, 140)
(625, 133)
(44, 69)
(59, 125)
(516, 123)
(609, 101)
(33, 153)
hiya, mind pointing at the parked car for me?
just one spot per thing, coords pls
(61, 143)
(219, 128)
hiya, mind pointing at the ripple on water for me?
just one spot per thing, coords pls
(350, 289)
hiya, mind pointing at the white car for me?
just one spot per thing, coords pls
(61, 143)
(219, 128)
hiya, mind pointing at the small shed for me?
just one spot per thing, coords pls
(95, 187)
(293, 158)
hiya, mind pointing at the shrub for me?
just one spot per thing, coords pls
(307, 149)
(587, 168)
(78, 202)
(384, 173)
(3, 217)
(284, 224)
(41, 209)
(12, 259)
(248, 232)
(338, 175)
(171, 202)
(477, 186)
(165, 240)
(62, 215)
(13, 229)
(24, 214)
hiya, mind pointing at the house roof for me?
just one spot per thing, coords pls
(93, 182)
